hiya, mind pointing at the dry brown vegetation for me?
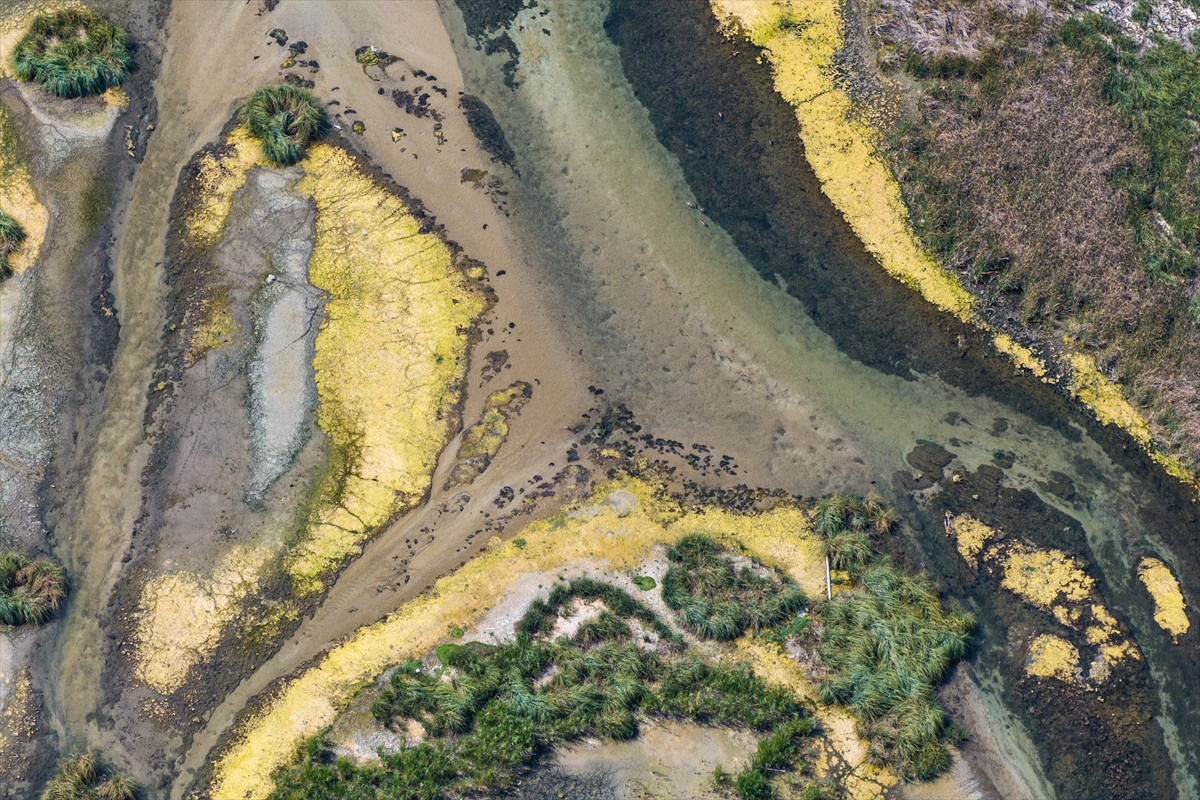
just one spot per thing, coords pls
(1021, 175)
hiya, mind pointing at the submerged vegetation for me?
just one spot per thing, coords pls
(80, 777)
(30, 591)
(73, 53)
(12, 236)
(886, 643)
(496, 710)
(285, 119)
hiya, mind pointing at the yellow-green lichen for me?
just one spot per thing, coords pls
(17, 197)
(1052, 656)
(617, 528)
(482, 441)
(215, 329)
(219, 176)
(1170, 610)
(390, 355)
(802, 39)
(183, 613)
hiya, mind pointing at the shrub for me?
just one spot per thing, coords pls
(81, 777)
(12, 236)
(73, 53)
(285, 118)
(30, 591)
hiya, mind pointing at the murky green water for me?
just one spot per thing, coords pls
(763, 323)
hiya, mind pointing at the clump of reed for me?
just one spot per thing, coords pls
(285, 119)
(505, 706)
(30, 591)
(846, 525)
(81, 777)
(12, 236)
(716, 601)
(887, 644)
(73, 53)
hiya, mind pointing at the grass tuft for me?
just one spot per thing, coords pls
(285, 118)
(30, 591)
(81, 777)
(716, 601)
(12, 236)
(73, 53)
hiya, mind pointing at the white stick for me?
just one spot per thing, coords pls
(828, 586)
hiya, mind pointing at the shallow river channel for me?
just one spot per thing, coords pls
(656, 162)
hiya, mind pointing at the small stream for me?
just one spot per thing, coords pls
(648, 145)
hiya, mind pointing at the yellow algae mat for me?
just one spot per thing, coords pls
(390, 357)
(802, 38)
(616, 529)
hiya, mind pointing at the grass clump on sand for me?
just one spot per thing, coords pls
(504, 707)
(846, 525)
(285, 119)
(12, 236)
(80, 777)
(73, 53)
(716, 601)
(30, 591)
(886, 643)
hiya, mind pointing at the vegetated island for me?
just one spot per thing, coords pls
(474, 686)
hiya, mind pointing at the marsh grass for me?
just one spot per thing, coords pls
(887, 644)
(81, 777)
(30, 591)
(12, 236)
(1054, 165)
(285, 119)
(714, 600)
(497, 710)
(73, 53)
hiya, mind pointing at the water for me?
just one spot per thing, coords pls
(764, 324)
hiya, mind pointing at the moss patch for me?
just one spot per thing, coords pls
(1170, 610)
(482, 441)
